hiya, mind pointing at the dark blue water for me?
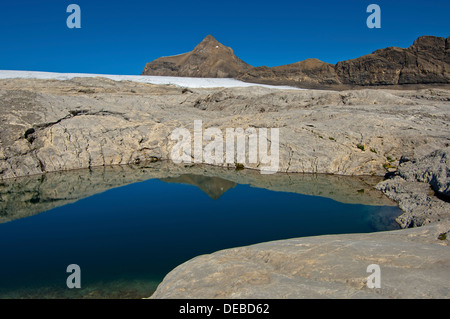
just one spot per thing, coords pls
(138, 233)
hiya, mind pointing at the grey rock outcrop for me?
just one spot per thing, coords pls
(417, 201)
(433, 169)
(414, 187)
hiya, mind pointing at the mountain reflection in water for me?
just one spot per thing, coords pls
(128, 226)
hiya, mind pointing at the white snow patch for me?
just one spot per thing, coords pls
(178, 81)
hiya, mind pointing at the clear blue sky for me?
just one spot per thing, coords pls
(119, 37)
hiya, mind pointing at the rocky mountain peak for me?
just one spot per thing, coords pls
(210, 47)
(209, 58)
(209, 39)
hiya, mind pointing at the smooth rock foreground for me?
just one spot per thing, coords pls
(414, 263)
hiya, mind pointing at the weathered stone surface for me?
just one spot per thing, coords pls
(54, 125)
(417, 201)
(208, 59)
(414, 185)
(414, 263)
(433, 169)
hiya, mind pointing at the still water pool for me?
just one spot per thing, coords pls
(127, 229)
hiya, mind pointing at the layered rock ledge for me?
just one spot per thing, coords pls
(50, 125)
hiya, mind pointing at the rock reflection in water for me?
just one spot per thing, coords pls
(28, 196)
(213, 186)
(145, 220)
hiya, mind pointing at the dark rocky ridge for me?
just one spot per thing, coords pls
(425, 62)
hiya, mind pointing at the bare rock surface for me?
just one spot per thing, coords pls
(433, 169)
(50, 125)
(421, 187)
(417, 200)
